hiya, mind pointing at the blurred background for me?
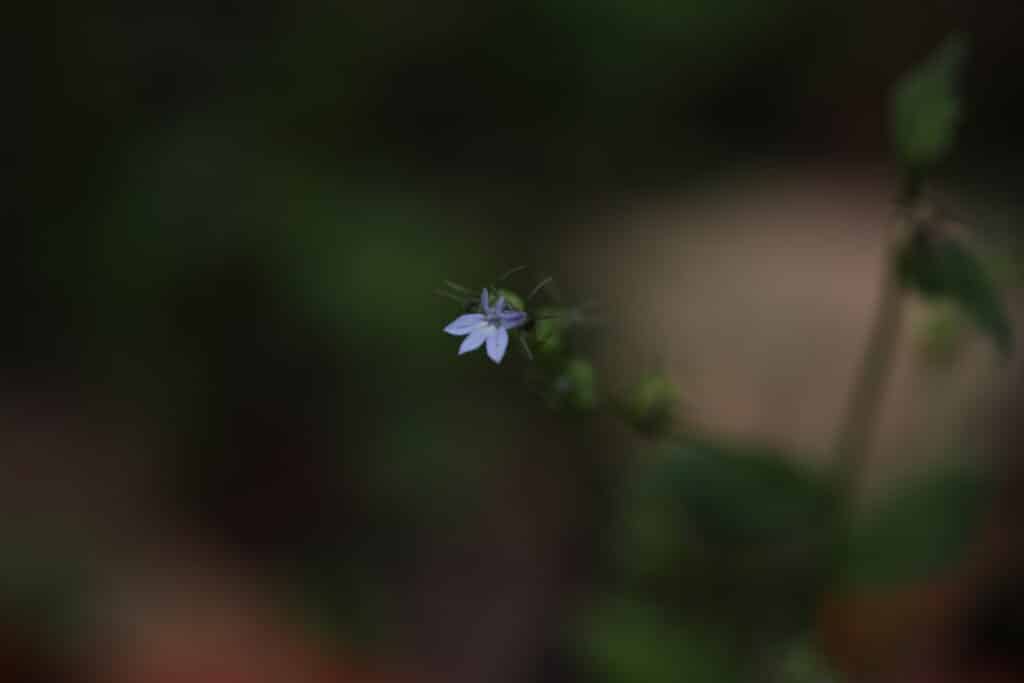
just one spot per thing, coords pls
(236, 445)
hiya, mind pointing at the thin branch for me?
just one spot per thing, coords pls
(526, 346)
(453, 297)
(457, 287)
(861, 420)
(540, 285)
(511, 272)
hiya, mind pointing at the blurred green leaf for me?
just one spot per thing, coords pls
(804, 663)
(942, 334)
(919, 528)
(925, 107)
(736, 494)
(737, 535)
(628, 642)
(941, 267)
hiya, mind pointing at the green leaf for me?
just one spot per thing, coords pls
(923, 526)
(630, 642)
(738, 536)
(735, 496)
(942, 267)
(925, 108)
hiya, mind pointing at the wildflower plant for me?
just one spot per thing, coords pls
(702, 482)
(548, 335)
(483, 323)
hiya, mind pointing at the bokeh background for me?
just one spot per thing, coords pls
(236, 445)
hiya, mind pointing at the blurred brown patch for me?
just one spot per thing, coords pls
(757, 294)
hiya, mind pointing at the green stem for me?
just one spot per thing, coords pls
(860, 423)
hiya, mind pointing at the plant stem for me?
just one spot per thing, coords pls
(860, 423)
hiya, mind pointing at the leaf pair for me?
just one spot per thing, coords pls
(944, 268)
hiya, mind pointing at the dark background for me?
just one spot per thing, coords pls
(231, 422)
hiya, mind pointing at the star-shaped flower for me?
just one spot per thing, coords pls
(491, 325)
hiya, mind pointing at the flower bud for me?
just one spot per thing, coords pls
(512, 299)
(550, 335)
(651, 404)
(575, 387)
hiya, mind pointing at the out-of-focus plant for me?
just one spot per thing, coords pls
(927, 257)
(723, 552)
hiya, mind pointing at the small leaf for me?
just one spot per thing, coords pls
(941, 267)
(925, 108)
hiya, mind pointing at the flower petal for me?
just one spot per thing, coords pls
(476, 338)
(500, 305)
(485, 305)
(513, 319)
(464, 324)
(497, 343)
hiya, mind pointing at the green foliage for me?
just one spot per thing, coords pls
(941, 267)
(736, 495)
(513, 299)
(804, 663)
(733, 540)
(735, 536)
(920, 528)
(629, 642)
(651, 404)
(925, 108)
(550, 333)
(942, 335)
(576, 387)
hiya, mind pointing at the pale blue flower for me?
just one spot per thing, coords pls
(490, 326)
